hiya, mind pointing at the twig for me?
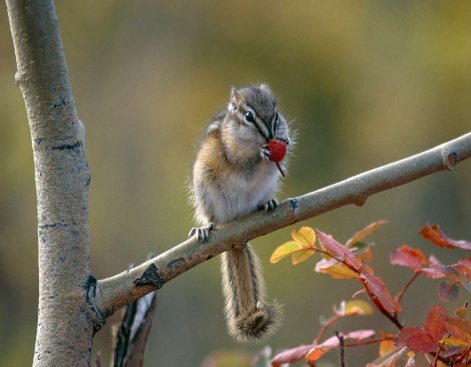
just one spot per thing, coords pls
(324, 328)
(342, 349)
(401, 293)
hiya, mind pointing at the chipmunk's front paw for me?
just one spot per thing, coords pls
(269, 206)
(265, 152)
(202, 232)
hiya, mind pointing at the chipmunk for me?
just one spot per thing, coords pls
(233, 177)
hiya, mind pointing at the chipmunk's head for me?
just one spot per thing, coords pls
(254, 117)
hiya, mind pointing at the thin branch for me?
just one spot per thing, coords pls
(120, 290)
(403, 291)
(324, 328)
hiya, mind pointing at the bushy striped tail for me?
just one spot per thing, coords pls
(248, 316)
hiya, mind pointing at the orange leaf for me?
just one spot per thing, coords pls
(360, 235)
(459, 332)
(386, 346)
(408, 257)
(363, 251)
(434, 234)
(319, 350)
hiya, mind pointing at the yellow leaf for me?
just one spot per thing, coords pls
(358, 307)
(460, 312)
(337, 271)
(300, 256)
(360, 235)
(306, 237)
(284, 250)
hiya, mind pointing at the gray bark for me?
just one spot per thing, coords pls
(65, 325)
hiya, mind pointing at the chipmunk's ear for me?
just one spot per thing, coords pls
(235, 97)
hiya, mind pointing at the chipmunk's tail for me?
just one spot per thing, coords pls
(249, 317)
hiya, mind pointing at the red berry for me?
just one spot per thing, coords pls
(277, 149)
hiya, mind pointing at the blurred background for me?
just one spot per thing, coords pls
(365, 83)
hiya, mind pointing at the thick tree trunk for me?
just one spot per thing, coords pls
(65, 325)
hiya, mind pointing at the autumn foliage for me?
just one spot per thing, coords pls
(443, 340)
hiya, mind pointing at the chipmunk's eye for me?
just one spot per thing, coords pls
(249, 117)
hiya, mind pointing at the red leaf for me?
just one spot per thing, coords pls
(333, 342)
(434, 322)
(434, 234)
(434, 261)
(416, 340)
(432, 272)
(291, 355)
(376, 287)
(447, 291)
(408, 257)
(338, 251)
(463, 267)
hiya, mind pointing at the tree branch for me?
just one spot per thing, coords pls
(120, 290)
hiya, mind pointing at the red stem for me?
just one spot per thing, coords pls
(401, 293)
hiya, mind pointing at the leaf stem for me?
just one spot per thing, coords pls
(401, 293)
(324, 328)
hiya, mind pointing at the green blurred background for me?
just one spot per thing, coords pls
(366, 83)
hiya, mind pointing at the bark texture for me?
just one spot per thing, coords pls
(65, 325)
